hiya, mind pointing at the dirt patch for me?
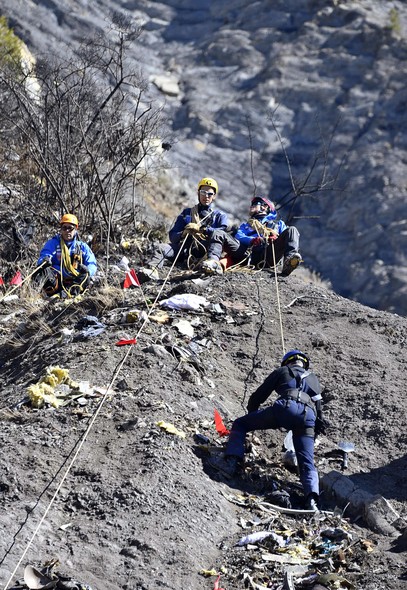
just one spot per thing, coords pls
(139, 507)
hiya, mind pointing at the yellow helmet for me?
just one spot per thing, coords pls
(208, 182)
(68, 218)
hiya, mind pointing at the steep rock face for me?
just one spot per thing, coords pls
(320, 85)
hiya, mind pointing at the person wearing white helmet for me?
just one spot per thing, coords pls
(298, 408)
(66, 264)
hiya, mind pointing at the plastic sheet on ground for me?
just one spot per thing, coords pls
(186, 301)
(184, 327)
(89, 327)
(260, 536)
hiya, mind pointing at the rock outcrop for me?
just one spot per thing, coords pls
(250, 87)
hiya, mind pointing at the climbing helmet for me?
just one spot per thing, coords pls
(68, 218)
(208, 182)
(295, 355)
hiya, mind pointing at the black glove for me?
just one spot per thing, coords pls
(321, 425)
(83, 269)
(46, 262)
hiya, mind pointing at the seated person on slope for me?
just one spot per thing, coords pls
(67, 264)
(191, 233)
(261, 241)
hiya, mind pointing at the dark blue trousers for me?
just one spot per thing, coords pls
(287, 414)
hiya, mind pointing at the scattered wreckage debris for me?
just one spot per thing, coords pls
(43, 578)
(346, 447)
(56, 388)
(289, 552)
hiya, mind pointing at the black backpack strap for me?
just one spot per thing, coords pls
(299, 395)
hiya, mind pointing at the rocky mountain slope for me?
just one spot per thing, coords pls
(116, 484)
(248, 87)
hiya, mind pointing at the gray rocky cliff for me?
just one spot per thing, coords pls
(240, 79)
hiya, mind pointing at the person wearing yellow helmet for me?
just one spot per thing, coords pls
(202, 219)
(66, 264)
(191, 234)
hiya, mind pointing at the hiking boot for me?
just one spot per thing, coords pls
(228, 465)
(311, 502)
(290, 263)
(211, 266)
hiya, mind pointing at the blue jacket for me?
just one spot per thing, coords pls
(217, 219)
(246, 233)
(53, 248)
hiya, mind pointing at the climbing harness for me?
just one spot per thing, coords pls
(298, 394)
(197, 239)
(74, 284)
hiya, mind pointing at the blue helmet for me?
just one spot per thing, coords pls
(295, 355)
(269, 204)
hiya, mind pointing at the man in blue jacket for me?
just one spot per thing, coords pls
(297, 408)
(66, 263)
(191, 234)
(261, 241)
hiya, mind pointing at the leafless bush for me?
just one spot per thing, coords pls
(80, 132)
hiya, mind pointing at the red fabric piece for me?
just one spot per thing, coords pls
(123, 342)
(216, 586)
(220, 427)
(17, 279)
(1, 280)
(131, 279)
(226, 262)
(257, 241)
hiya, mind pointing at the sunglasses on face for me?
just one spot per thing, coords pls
(67, 227)
(259, 202)
(207, 193)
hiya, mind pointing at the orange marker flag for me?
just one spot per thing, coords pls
(220, 427)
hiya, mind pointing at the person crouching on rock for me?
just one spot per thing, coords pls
(298, 408)
(67, 264)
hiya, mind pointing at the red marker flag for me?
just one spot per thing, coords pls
(1, 281)
(124, 342)
(220, 427)
(131, 279)
(17, 279)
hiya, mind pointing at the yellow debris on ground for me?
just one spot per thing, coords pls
(45, 391)
(170, 428)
